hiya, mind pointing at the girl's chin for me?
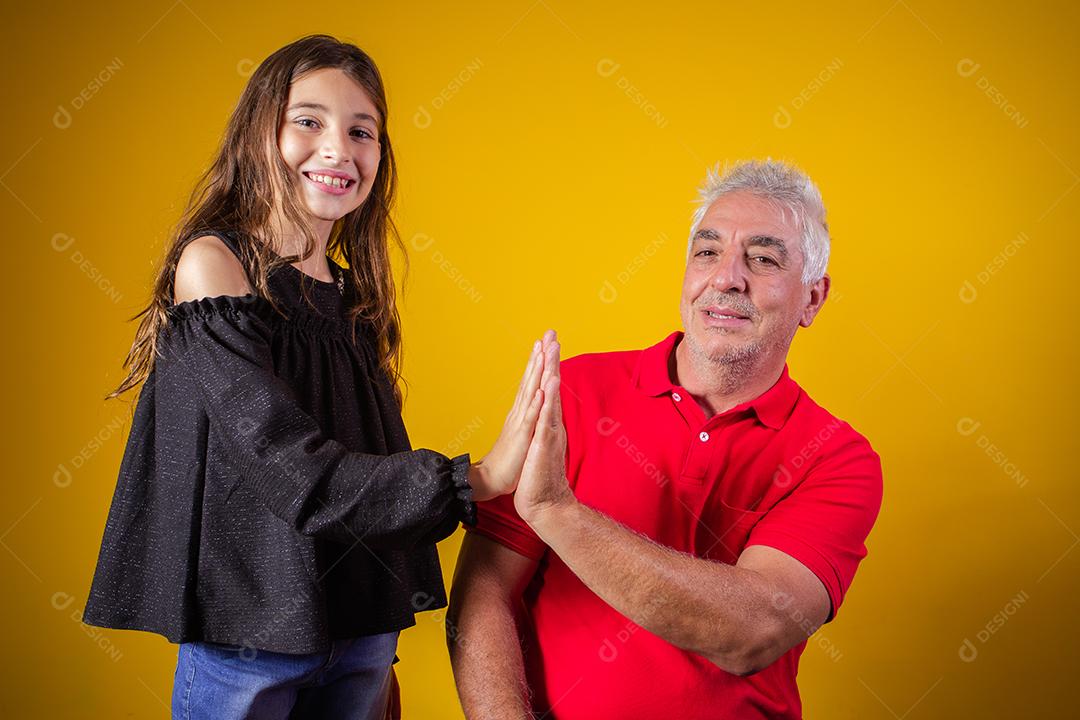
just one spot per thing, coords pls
(330, 212)
(325, 206)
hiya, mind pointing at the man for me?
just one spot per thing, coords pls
(668, 552)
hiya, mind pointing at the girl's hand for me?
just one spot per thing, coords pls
(497, 472)
(543, 485)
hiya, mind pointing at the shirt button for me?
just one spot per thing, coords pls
(676, 396)
(704, 436)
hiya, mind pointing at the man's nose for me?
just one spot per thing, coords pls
(729, 273)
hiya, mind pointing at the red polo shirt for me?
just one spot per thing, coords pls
(778, 471)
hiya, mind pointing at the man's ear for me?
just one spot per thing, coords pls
(819, 291)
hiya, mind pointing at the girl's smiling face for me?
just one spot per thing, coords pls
(329, 139)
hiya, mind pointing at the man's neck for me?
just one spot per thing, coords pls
(718, 387)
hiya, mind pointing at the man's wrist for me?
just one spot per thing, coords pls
(547, 518)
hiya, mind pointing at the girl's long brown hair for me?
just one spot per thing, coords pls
(248, 181)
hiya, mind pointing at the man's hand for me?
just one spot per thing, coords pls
(543, 486)
(497, 472)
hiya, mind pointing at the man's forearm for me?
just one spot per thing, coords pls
(720, 611)
(486, 657)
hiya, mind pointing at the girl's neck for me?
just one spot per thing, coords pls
(291, 242)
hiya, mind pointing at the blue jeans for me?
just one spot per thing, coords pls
(227, 682)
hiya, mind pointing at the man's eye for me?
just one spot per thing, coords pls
(764, 260)
(702, 253)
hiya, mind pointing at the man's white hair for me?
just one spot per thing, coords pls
(790, 189)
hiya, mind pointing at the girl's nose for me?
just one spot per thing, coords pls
(333, 147)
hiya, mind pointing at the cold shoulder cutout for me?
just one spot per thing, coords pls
(208, 267)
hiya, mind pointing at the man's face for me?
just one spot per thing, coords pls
(743, 296)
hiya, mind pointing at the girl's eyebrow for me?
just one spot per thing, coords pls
(323, 108)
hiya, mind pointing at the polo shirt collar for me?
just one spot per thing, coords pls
(773, 407)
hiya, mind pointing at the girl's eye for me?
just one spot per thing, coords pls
(355, 132)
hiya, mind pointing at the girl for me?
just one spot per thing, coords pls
(270, 515)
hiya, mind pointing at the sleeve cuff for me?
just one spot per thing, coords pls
(810, 557)
(459, 476)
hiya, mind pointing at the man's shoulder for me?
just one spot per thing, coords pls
(600, 367)
(821, 430)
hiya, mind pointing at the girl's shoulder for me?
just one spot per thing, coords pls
(220, 237)
(209, 266)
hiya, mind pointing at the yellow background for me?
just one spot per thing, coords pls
(550, 184)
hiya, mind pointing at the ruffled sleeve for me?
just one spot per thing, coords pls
(221, 346)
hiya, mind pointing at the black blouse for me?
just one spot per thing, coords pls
(268, 496)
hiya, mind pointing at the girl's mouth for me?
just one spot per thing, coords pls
(330, 184)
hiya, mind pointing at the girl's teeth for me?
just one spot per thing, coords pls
(331, 181)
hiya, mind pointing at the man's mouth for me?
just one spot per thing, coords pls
(724, 317)
(724, 311)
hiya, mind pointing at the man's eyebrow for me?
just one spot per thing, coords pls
(759, 240)
(770, 242)
(323, 108)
